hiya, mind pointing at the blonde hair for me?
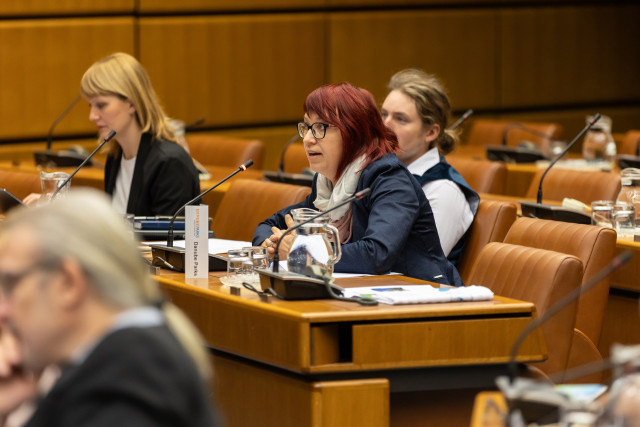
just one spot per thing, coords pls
(84, 227)
(431, 101)
(121, 75)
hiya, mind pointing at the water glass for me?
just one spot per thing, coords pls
(50, 182)
(260, 257)
(624, 219)
(602, 213)
(239, 261)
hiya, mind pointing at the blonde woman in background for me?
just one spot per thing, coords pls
(417, 109)
(146, 172)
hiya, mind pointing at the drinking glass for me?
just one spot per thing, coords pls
(602, 213)
(624, 219)
(50, 182)
(239, 262)
(260, 257)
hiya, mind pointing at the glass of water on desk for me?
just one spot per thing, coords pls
(602, 213)
(239, 268)
(260, 257)
(624, 219)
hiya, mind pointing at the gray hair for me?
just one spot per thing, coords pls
(84, 227)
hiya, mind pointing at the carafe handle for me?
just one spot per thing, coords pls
(337, 249)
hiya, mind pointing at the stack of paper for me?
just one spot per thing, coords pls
(418, 294)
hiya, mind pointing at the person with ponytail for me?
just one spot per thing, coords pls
(417, 109)
(350, 149)
(75, 294)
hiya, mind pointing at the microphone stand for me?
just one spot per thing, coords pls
(106, 139)
(284, 151)
(172, 256)
(538, 210)
(58, 158)
(461, 120)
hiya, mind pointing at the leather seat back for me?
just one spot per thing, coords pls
(491, 223)
(295, 159)
(575, 184)
(630, 143)
(495, 132)
(247, 203)
(20, 183)
(539, 276)
(593, 245)
(484, 176)
(218, 150)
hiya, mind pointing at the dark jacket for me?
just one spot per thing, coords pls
(134, 377)
(164, 178)
(393, 228)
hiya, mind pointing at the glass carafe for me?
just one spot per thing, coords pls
(630, 189)
(311, 252)
(598, 142)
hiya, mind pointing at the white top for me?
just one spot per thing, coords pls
(122, 189)
(450, 208)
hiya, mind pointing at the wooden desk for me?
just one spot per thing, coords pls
(327, 363)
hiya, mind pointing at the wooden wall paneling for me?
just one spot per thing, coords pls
(41, 64)
(62, 7)
(366, 48)
(234, 70)
(566, 55)
(148, 6)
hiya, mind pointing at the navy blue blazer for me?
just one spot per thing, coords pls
(164, 178)
(393, 228)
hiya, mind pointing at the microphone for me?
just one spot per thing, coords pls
(615, 263)
(59, 158)
(163, 252)
(553, 162)
(461, 120)
(66, 181)
(295, 286)
(557, 213)
(284, 151)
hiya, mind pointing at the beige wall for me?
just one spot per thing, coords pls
(247, 68)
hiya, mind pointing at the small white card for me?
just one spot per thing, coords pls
(196, 225)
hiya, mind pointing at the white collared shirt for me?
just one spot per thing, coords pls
(451, 210)
(120, 198)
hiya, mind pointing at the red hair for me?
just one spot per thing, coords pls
(354, 112)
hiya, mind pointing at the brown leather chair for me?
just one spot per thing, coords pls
(484, 176)
(539, 276)
(20, 183)
(218, 150)
(585, 186)
(247, 203)
(595, 247)
(630, 143)
(491, 224)
(295, 159)
(495, 132)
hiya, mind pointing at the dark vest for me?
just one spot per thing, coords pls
(444, 170)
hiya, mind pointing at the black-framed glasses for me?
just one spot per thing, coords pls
(9, 281)
(318, 129)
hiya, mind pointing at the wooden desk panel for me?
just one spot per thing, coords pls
(147, 6)
(62, 7)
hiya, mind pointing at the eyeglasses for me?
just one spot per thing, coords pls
(10, 281)
(318, 129)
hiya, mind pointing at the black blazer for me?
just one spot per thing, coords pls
(164, 177)
(134, 377)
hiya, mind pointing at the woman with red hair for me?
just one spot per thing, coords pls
(351, 149)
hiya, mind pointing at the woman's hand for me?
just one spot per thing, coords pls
(272, 241)
(32, 198)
